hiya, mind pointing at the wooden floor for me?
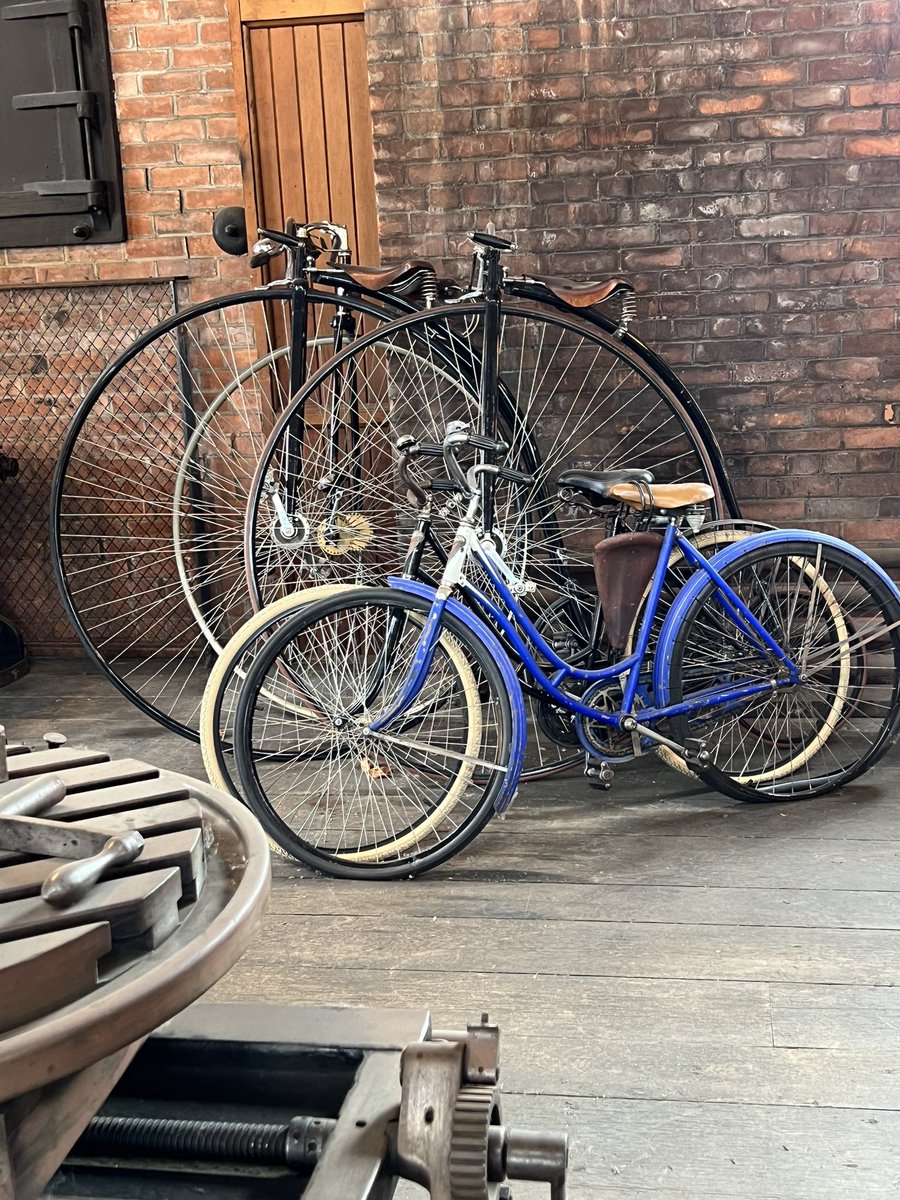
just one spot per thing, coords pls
(703, 993)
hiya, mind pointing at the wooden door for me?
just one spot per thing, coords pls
(308, 126)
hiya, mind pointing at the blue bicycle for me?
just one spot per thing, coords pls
(379, 729)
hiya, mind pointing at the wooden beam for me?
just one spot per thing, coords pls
(269, 11)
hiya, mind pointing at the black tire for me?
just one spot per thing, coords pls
(312, 771)
(183, 412)
(828, 608)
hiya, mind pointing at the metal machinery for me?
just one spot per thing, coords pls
(125, 892)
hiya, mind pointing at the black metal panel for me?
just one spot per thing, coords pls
(60, 179)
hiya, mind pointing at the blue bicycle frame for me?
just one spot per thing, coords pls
(512, 619)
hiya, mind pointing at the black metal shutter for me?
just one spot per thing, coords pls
(60, 179)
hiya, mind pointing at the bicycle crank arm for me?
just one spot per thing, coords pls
(285, 525)
(695, 755)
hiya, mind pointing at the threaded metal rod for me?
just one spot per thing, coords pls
(295, 1144)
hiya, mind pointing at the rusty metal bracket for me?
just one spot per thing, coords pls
(450, 1137)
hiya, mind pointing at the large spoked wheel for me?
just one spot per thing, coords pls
(837, 618)
(350, 800)
(150, 489)
(570, 395)
(552, 745)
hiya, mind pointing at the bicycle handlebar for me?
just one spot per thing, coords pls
(302, 238)
(455, 439)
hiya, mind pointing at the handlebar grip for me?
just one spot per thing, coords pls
(485, 443)
(444, 485)
(491, 240)
(429, 449)
(515, 476)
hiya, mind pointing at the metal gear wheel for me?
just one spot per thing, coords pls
(477, 1108)
(350, 532)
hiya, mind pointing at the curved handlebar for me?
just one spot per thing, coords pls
(456, 438)
(299, 239)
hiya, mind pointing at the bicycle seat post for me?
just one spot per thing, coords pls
(489, 250)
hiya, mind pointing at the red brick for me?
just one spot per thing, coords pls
(199, 104)
(526, 13)
(872, 436)
(132, 12)
(139, 153)
(139, 227)
(769, 227)
(200, 56)
(215, 32)
(178, 177)
(869, 147)
(767, 74)
(212, 198)
(219, 79)
(68, 273)
(872, 247)
(166, 35)
(851, 368)
(878, 10)
(813, 148)
(807, 45)
(847, 122)
(781, 126)
(226, 175)
(857, 66)
(139, 60)
(543, 39)
(142, 107)
(865, 95)
(174, 83)
(222, 128)
(176, 130)
(711, 105)
(43, 255)
(192, 10)
(151, 202)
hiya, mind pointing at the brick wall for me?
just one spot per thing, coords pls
(171, 62)
(739, 159)
(175, 102)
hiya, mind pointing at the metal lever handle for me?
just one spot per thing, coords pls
(33, 797)
(70, 883)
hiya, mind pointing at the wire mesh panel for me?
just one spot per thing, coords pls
(54, 342)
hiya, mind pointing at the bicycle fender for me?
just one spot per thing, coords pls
(724, 558)
(517, 703)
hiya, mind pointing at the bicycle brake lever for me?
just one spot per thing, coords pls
(263, 251)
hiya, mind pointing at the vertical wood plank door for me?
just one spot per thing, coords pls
(310, 125)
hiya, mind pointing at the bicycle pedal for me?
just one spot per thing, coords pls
(696, 753)
(599, 775)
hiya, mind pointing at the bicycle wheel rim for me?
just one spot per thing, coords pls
(228, 675)
(419, 840)
(120, 573)
(844, 716)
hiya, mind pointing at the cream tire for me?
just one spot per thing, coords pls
(224, 669)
